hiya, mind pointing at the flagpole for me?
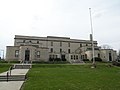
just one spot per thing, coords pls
(92, 41)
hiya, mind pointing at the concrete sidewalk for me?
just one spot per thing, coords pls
(13, 85)
(16, 72)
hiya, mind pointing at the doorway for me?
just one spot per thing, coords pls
(110, 57)
(27, 55)
(63, 57)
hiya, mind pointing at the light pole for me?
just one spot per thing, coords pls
(92, 40)
(3, 54)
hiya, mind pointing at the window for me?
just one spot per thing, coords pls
(38, 54)
(51, 50)
(86, 44)
(60, 44)
(68, 44)
(71, 56)
(50, 56)
(17, 53)
(37, 42)
(30, 41)
(60, 50)
(68, 50)
(98, 55)
(80, 45)
(56, 56)
(76, 56)
(85, 56)
(51, 43)
(23, 41)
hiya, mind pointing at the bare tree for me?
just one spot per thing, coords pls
(105, 46)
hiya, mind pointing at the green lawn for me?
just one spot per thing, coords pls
(4, 67)
(72, 77)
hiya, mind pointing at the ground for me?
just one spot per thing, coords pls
(72, 77)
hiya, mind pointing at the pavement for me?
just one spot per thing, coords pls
(13, 85)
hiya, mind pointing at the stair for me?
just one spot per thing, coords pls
(12, 78)
(76, 61)
(22, 66)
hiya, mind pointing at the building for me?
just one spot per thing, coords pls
(31, 48)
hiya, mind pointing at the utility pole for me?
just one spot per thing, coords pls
(2, 54)
(92, 40)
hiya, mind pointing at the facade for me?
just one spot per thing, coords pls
(31, 48)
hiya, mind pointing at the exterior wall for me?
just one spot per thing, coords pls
(22, 52)
(90, 55)
(44, 55)
(105, 54)
(10, 54)
(43, 45)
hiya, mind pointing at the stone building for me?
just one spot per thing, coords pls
(31, 48)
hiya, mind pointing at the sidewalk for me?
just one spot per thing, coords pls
(13, 85)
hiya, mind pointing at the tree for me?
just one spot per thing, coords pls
(105, 46)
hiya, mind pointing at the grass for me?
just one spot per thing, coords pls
(4, 67)
(72, 77)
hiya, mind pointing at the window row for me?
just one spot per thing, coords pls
(51, 50)
(17, 53)
(74, 57)
(61, 43)
(30, 41)
(81, 45)
(53, 56)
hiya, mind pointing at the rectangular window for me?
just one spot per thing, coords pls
(38, 54)
(51, 50)
(68, 50)
(68, 44)
(16, 53)
(74, 57)
(80, 45)
(71, 56)
(86, 44)
(51, 43)
(77, 57)
(50, 56)
(60, 44)
(60, 50)
(37, 42)
(55, 56)
(23, 41)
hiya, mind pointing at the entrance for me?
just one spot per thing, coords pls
(63, 57)
(27, 55)
(110, 57)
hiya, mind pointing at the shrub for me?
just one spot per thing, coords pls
(3, 61)
(85, 59)
(116, 63)
(14, 61)
(97, 59)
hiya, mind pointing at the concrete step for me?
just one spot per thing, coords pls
(12, 78)
(22, 66)
(76, 61)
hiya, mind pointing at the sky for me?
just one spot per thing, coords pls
(64, 18)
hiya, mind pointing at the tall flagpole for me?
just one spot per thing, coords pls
(92, 40)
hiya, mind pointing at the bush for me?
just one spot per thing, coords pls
(97, 59)
(56, 59)
(3, 61)
(40, 62)
(116, 63)
(85, 59)
(14, 61)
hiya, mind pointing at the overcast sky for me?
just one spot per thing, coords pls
(69, 18)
